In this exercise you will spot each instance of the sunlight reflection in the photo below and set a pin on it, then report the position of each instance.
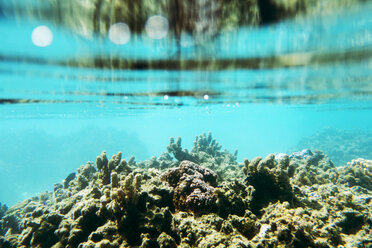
(42, 36)
(119, 33)
(157, 27)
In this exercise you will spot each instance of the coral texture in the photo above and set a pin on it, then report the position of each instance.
(340, 145)
(205, 151)
(3, 209)
(193, 187)
(295, 200)
(270, 181)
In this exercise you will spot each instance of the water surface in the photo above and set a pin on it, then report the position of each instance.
(258, 90)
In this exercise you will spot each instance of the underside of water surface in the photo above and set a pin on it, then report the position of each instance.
(285, 87)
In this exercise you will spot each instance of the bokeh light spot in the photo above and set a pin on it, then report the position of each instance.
(157, 27)
(41, 36)
(119, 33)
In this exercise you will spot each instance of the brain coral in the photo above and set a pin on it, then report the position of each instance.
(193, 187)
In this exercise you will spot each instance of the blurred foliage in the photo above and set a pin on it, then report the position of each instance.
(91, 17)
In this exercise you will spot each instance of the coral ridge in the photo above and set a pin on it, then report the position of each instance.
(199, 198)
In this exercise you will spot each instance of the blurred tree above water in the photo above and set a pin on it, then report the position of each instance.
(195, 30)
(91, 17)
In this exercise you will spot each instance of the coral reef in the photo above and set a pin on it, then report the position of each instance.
(205, 151)
(94, 211)
(270, 181)
(210, 230)
(193, 187)
(358, 172)
(364, 163)
(312, 168)
(233, 198)
(340, 145)
(3, 209)
(108, 168)
(295, 200)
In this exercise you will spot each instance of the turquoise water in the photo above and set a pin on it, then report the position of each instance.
(272, 86)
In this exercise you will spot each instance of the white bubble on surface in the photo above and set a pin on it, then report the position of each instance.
(206, 97)
(157, 27)
(119, 33)
(41, 36)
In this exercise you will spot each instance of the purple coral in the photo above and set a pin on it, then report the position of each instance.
(193, 187)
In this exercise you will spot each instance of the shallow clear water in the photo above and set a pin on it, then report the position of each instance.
(258, 90)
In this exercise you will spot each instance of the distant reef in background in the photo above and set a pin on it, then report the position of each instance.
(340, 145)
(200, 198)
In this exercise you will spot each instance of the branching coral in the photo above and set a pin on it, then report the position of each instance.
(206, 151)
(205, 143)
(3, 209)
(270, 181)
(115, 164)
(297, 200)
(178, 153)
